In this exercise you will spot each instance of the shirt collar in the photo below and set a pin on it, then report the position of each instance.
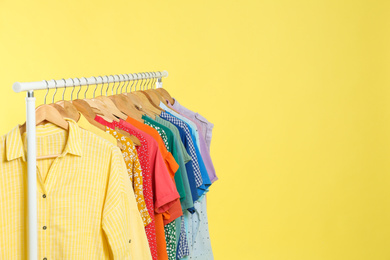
(73, 144)
(14, 144)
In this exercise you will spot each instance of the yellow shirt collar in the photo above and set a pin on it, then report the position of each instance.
(14, 144)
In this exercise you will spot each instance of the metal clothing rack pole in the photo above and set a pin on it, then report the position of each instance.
(31, 137)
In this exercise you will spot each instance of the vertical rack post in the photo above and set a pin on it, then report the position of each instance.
(32, 177)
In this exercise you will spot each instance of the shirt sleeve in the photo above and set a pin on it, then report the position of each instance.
(171, 164)
(164, 188)
(121, 220)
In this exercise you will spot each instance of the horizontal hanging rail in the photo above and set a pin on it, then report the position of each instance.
(37, 85)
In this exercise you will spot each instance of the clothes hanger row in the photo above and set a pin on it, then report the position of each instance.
(119, 105)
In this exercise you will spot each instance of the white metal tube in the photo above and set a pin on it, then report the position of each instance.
(32, 177)
(26, 86)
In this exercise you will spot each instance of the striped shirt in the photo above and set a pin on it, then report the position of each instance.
(86, 205)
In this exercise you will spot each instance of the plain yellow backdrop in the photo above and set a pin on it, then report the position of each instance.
(298, 92)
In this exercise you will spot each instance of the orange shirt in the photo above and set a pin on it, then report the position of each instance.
(172, 165)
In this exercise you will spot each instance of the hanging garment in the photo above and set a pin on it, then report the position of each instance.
(199, 246)
(82, 195)
(195, 138)
(191, 150)
(207, 127)
(134, 171)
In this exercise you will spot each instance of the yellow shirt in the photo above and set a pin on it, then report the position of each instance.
(84, 124)
(86, 205)
(135, 173)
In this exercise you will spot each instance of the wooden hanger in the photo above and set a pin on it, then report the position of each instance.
(146, 103)
(60, 109)
(153, 99)
(158, 95)
(70, 109)
(46, 113)
(166, 95)
(124, 104)
(110, 106)
(137, 102)
(96, 106)
(133, 138)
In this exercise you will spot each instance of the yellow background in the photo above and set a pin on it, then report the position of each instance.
(298, 92)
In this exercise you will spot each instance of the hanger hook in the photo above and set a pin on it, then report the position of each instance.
(146, 81)
(63, 93)
(87, 83)
(112, 89)
(151, 79)
(132, 80)
(101, 89)
(124, 82)
(128, 81)
(136, 83)
(95, 87)
(47, 86)
(79, 88)
(142, 81)
(55, 91)
(135, 80)
(71, 93)
(108, 84)
(116, 90)
(126, 77)
(154, 79)
(141, 87)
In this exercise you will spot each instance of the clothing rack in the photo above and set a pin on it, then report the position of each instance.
(29, 87)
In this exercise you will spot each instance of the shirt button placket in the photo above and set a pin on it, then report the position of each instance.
(45, 224)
